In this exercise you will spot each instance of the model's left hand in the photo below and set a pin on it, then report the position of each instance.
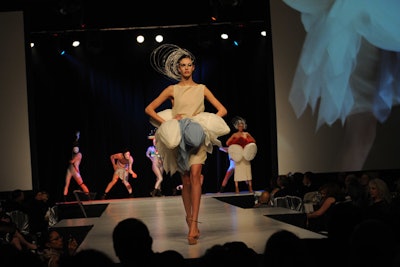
(134, 175)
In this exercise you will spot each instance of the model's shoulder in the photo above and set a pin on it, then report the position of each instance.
(205, 89)
(169, 88)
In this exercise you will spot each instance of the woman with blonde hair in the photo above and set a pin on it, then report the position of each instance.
(380, 197)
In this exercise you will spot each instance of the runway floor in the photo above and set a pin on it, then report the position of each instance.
(220, 222)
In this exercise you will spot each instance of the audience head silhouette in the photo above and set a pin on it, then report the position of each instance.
(88, 257)
(132, 241)
(232, 254)
(277, 247)
(373, 243)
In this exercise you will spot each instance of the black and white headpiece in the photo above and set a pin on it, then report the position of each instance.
(164, 59)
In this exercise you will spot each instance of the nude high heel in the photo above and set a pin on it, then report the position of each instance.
(189, 221)
(192, 240)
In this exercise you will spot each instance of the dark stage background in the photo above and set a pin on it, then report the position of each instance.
(102, 87)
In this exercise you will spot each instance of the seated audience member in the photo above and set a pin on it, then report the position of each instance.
(285, 194)
(37, 210)
(284, 187)
(283, 249)
(344, 216)
(349, 178)
(16, 201)
(86, 258)
(263, 199)
(11, 234)
(372, 244)
(230, 254)
(266, 197)
(297, 179)
(10, 256)
(395, 209)
(364, 180)
(278, 187)
(381, 199)
(355, 193)
(132, 242)
(133, 245)
(318, 220)
(308, 184)
(171, 256)
(16, 207)
(54, 248)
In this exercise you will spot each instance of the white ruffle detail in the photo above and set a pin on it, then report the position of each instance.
(168, 135)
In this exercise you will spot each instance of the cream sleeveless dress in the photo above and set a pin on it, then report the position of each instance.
(188, 102)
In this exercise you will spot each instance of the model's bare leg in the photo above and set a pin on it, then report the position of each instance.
(67, 182)
(84, 188)
(128, 187)
(237, 187)
(187, 203)
(158, 171)
(360, 127)
(250, 184)
(111, 184)
(79, 181)
(228, 175)
(194, 198)
(359, 136)
(159, 178)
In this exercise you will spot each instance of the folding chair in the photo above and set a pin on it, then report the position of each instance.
(85, 196)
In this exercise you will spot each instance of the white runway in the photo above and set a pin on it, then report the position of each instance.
(165, 218)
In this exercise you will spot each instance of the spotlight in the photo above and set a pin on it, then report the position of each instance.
(140, 39)
(75, 43)
(159, 38)
(32, 44)
(224, 36)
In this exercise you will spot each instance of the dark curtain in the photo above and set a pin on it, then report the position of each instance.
(102, 87)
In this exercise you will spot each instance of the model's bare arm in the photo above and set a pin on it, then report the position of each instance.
(221, 110)
(113, 158)
(150, 110)
(134, 175)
